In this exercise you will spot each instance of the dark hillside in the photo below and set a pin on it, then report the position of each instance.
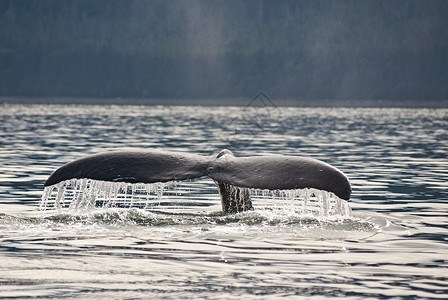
(187, 49)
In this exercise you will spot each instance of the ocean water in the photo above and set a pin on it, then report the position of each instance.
(391, 241)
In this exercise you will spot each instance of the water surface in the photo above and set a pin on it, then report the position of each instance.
(393, 245)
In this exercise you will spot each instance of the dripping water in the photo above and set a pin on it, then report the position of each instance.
(308, 201)
(87, 194)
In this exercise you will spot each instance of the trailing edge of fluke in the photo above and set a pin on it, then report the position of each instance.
(233, 175)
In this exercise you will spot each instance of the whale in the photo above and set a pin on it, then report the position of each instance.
(233, 176)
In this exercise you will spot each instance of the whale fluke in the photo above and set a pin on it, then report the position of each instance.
(133, 167)
(232, 175)
(280, 173)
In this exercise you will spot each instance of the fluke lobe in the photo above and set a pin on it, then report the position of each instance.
(232, 175)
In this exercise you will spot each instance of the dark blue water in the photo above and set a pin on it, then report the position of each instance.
(395, 244)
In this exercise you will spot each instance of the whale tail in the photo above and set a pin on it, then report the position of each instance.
(234, 199)
(232, 175)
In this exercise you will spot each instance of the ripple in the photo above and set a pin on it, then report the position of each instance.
(394, 245)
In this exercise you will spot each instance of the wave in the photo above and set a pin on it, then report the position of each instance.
(125, 217)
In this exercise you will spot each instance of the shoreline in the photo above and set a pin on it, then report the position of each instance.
(229, 102)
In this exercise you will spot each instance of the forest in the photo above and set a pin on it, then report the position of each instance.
(295, 49)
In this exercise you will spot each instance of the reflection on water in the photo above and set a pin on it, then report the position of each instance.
(394, 246)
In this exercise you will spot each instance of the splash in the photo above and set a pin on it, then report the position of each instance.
(87, 194)
(309, 202)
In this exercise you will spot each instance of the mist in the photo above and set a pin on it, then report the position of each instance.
(192, 49)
